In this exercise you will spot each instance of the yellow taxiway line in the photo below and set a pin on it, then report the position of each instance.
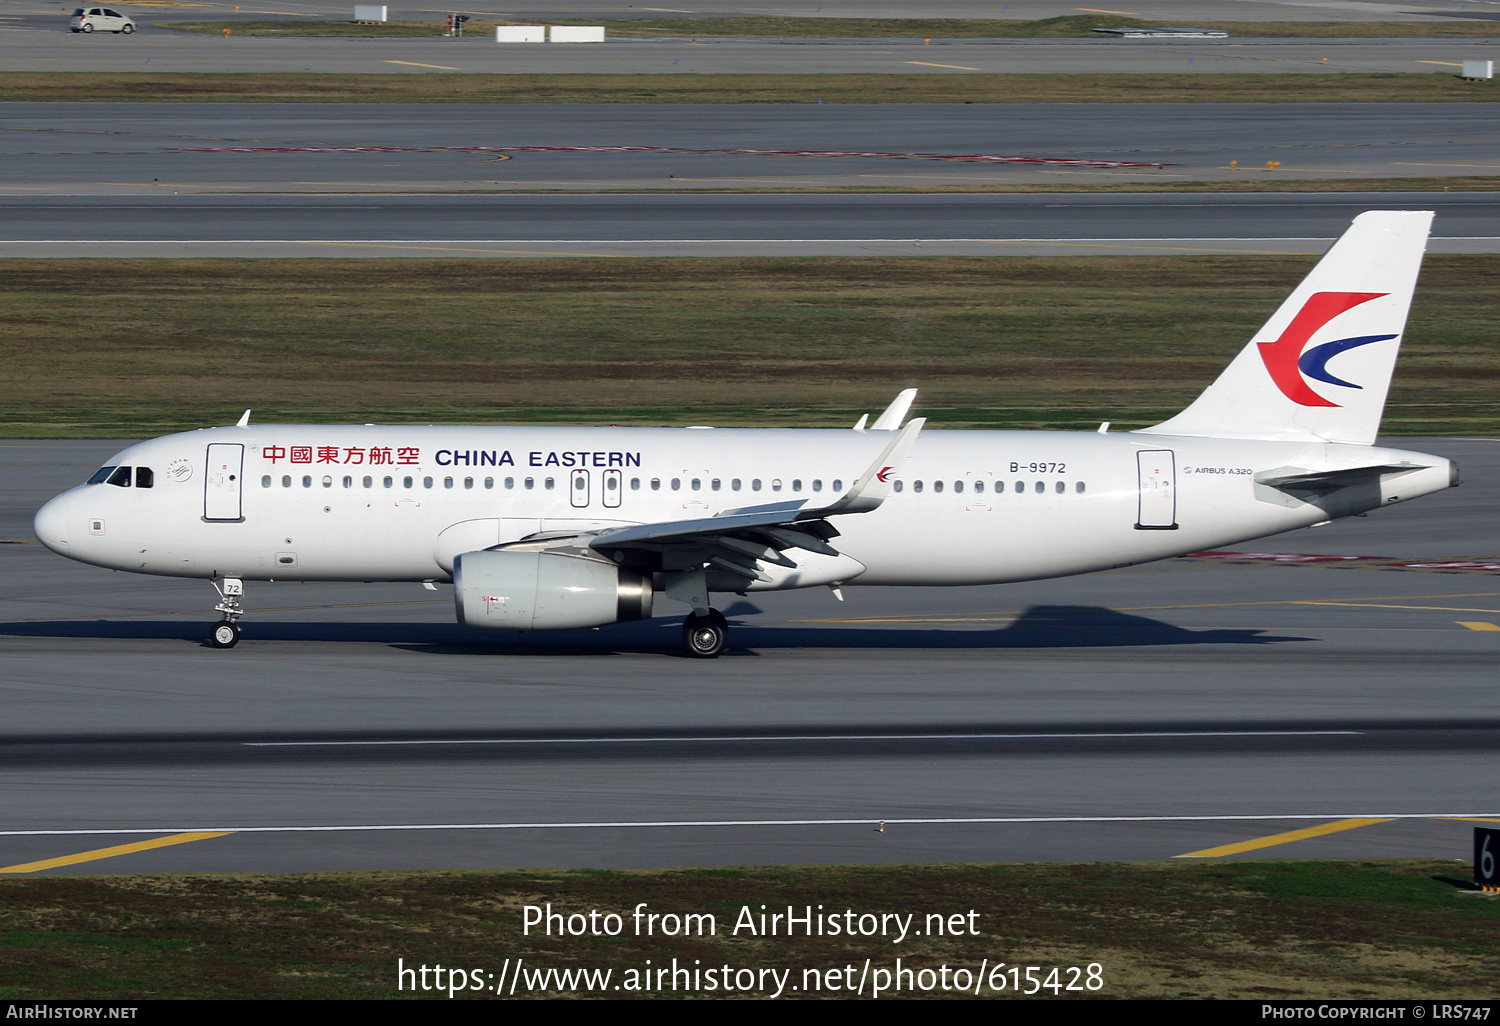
(109, 853)
(928, 64)
(1275, 839)
(414, 64)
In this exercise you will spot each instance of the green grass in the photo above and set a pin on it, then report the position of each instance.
(1068, 26)
(1243, 929)
(1056, 342)
(954, 87)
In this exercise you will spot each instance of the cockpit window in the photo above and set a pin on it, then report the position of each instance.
(143, 477)
(120, 477)
(101, 475)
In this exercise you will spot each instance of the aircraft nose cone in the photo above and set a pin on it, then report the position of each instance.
(52, 524)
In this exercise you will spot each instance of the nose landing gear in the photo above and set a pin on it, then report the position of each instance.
(226, 633)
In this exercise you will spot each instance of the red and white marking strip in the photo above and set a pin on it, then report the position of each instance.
(980, 158)
(1491, 566)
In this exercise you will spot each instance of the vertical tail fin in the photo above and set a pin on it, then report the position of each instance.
(1320, 367)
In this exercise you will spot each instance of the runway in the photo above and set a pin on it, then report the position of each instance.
(1137, 714)
(102, 151)
(57, 49)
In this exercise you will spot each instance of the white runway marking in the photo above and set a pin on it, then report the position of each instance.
(864, 821)
(806, 737)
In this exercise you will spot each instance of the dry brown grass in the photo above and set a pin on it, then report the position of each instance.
(454, 87)
(1038, 342)
(1251, 929)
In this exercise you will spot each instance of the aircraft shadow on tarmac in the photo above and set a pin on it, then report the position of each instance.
(1038, 627)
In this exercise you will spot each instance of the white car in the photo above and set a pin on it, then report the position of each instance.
(101, 19)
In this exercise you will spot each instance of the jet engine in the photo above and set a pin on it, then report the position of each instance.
(545, 591)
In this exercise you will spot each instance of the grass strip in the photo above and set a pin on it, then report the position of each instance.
(1068, 26)
(1244, 929)
(1268, 183)
(453, 87)
(150, 346)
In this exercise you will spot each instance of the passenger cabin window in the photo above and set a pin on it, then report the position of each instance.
(265, 482)
(979, 486)
(937, 486)
(896, 485)
(143, 477)
(120, 478)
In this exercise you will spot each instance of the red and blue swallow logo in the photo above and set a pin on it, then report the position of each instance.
(1290, 367)
(881, 477)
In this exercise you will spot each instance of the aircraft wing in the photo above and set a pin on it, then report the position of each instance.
(738, 540)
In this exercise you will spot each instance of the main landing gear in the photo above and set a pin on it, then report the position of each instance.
(706, 636)
(226, 633)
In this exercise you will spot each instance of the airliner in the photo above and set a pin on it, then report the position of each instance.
(564, 528)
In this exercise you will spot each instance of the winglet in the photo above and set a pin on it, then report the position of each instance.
(874, 484)
(864, 418)
(891, 419)
(244, 420)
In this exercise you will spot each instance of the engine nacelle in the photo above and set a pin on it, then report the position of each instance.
(545, 591)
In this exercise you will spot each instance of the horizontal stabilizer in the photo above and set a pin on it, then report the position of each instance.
(1294, 479)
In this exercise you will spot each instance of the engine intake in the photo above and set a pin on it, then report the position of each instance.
(545, 591)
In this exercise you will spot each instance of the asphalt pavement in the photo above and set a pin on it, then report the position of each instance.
(1136, 714)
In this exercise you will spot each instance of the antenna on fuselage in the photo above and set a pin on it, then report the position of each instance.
(244, 420)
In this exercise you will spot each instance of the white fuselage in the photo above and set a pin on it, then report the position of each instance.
(381, 503)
